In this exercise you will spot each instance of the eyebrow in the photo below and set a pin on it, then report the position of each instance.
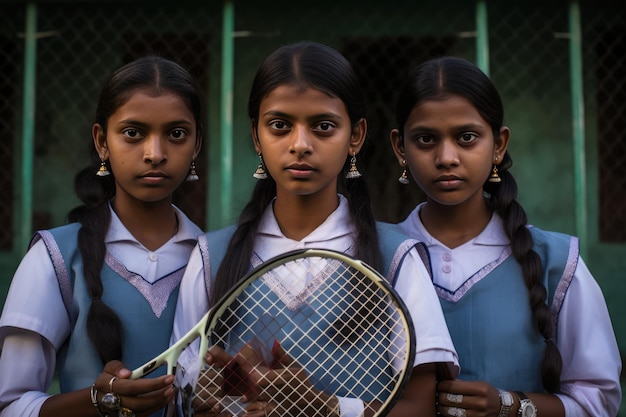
(142, 124)
(318, 116)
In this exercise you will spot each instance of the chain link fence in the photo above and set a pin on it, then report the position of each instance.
(80, 42)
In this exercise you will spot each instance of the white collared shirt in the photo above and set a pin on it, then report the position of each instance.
(335, 233)
(585, 337)
(34, 323)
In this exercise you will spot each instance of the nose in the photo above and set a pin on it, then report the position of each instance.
(154, 151)
(300, 143)
(447, 154)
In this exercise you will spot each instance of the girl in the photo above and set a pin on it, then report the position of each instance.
(102, 289)
(308, 124)
(525, 314)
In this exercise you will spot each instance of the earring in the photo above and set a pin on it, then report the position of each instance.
(403, 178)
(260, 173)
(193, 175)
(494, 177)
(353, 172)
(103, 171)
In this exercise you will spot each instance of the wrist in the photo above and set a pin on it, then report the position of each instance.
(526, 406)
(332, 407)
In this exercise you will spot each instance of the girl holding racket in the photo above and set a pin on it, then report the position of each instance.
(529, 321)
(308, 124)
(98, 295)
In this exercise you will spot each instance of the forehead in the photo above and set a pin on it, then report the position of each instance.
(446, 109)
(295, 100)
(143, 103)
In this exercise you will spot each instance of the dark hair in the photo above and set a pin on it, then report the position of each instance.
(439, 78)
(158, 75)
(303, 64)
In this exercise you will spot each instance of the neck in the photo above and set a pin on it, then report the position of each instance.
(455, 225)
(151, 224)
(298, 216)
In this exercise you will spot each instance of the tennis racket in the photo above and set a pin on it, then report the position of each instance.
(311, 312)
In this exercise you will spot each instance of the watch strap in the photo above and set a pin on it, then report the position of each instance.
(506, 402)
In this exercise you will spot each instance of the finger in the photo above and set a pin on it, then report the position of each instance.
(280, 356)
(135, 387)
(116, 368)
(217, 356)
(250, 355)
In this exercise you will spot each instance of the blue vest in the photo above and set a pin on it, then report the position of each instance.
(146, 332)
(394, 247)
(491, 323)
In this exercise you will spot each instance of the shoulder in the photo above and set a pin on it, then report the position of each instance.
(62, 238)
(395, 245)
(546, 241)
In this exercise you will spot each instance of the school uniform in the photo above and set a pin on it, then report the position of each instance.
(42, 327)
(485, 301)
(404, 266)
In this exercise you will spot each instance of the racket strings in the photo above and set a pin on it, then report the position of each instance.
(335, 332)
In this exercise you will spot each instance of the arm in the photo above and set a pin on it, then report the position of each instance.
(591, 361)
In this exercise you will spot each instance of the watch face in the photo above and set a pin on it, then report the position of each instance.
(528, 409)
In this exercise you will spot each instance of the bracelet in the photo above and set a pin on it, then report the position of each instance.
(94, 400)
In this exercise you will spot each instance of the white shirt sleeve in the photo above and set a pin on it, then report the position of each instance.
(591, 359)
(30, 360)
(33, 325)
(192, 305)
(433, 341)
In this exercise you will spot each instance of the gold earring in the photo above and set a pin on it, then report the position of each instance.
(103, 171)
(494, 177)
(260, 173)
(193, 175)
(353, 172)
(403, 178)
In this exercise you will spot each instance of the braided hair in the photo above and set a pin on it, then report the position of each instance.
(445, 76)
(159, 75)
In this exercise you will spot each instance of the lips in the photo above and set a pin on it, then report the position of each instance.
(154, 177)
(300, 170)
(448, 182)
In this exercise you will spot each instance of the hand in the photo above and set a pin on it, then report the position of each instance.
(476, 398)
(141, 396)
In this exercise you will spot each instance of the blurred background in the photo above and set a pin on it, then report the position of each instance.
(560, 67)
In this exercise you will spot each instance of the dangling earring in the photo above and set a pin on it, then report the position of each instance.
(403, 178)
(103, 171)
(260, 173)
(193, 175)
(494, 177)
(353, 172)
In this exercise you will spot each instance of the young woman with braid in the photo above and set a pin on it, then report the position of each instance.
(526, 316)
(96, 297)
(308, 122)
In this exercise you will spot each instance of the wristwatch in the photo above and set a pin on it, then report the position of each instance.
(506, 402)
(527, 408)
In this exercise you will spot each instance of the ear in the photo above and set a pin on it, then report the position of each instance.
(255, 137)
(357, 139)
(501, 143)
(100, 141)
(196, 151)
(397, 143)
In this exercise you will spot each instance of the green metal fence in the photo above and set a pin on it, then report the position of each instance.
(560, 67)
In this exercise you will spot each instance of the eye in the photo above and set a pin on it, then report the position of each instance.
(324, 127)
(178, 134)
(278, 125)
(425, 139)
(467, 138)
(131, 133)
